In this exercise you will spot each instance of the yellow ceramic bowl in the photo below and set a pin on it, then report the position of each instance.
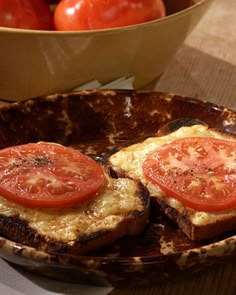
(34, 63)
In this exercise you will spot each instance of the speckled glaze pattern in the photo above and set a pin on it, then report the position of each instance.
(95, 122)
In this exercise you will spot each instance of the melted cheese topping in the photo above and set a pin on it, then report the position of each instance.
(103, 212)
(129, 161)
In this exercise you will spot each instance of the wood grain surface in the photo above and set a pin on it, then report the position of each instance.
(220, 281)
(204, 67)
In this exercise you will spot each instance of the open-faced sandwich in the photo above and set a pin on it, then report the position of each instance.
(57, 199)
(189, 170)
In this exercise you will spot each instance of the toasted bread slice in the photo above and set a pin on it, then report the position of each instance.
(120, 208)
(196, 225)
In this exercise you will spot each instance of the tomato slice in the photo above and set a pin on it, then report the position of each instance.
(48, 175)
(199, 172)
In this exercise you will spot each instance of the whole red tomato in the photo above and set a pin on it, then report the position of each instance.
(26, 14)
(71, 15)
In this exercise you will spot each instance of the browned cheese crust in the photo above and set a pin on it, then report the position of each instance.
(196, 225)
(92, 224)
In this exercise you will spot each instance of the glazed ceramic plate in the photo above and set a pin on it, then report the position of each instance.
(94, 122)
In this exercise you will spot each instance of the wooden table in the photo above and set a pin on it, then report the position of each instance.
(205, 67)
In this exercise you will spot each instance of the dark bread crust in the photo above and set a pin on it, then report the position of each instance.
(184, 216)
(178, 123)
(194, 232)
(185, 122)
(133, 222)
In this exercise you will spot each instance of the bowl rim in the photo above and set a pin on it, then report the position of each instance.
(104, 31)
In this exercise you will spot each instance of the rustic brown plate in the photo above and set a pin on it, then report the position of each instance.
(95, 122)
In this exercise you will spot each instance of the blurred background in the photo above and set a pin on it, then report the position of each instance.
(205, 66)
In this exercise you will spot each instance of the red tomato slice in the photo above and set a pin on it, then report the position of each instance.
(73, 15)
(48, 175)
(199, 172)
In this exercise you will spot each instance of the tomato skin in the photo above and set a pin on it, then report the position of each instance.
(52, 1)
(69, 15)
(48, 175)
(199, 172)
(26, 14)
(73, 15)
